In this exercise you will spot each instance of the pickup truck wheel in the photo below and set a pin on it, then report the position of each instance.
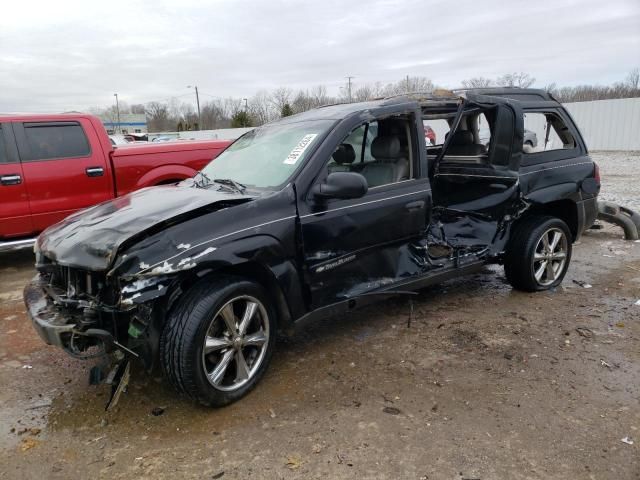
(538, 255)
(218, 340)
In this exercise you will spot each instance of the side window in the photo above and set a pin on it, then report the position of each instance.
(435, 131)
(381, 151)
(355, 139)
(56, 140)
(3, 150)
(484, 130)
(348, 152)
(544, 132)
(372, 133)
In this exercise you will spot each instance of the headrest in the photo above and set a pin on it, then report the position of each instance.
(344, 154)
(385, 147)
(462, 137)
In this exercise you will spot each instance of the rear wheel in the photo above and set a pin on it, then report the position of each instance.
(538, 254)
(218, 341)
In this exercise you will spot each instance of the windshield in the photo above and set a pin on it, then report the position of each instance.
(267, 156)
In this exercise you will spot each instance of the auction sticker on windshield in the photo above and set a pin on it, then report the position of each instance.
(299, 149)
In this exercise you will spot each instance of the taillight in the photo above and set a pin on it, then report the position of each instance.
(596, 172)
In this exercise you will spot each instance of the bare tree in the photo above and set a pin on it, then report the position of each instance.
(477, 82)
(261, 108)
(301, 102)
(319, 95)
(633, 79)
(417, 84)
(138, 108)
(280, 97)
(231, 106)
(212, 114)
(265, 106)
(516, 79)
(157, 117)
(363, 93)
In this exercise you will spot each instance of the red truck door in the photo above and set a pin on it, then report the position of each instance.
(65, 168)
(15, 216)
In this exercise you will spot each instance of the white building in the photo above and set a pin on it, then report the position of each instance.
(129, 123)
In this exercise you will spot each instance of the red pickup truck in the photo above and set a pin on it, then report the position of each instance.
(53, 165)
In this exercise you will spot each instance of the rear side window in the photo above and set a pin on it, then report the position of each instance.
(56, 140)
(544, 132)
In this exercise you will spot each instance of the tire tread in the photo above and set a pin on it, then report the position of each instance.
(177, 362)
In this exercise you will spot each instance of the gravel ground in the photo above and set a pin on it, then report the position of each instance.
(479, 382)
(620, 172)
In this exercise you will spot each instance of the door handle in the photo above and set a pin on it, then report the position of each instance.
(11, 179)
(414, 205)
(94, 171)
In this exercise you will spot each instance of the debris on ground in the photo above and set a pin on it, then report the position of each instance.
(218, 475)
(391, 410)
(582, 284)
(605, 364)
(272, 414)
(627, 440)
(585, 332)
(637, 303)
(294, 462)
(157, 411)
(623, 217)
(28, 444)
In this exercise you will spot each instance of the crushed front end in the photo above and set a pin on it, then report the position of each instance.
(88, 314)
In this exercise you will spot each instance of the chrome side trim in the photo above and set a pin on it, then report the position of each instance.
(479, 176)
(16, 244)
(553, 168)
(363, 203)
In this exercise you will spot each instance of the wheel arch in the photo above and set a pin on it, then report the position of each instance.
(566, 210)
(259, 258)
(164, 174)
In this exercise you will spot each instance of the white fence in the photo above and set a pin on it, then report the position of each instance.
(219, 134)
(608, 124)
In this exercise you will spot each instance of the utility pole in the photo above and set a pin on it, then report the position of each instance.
(349, 87)
(408, 84)
(198, 105)
(118, 112)
(246, 105)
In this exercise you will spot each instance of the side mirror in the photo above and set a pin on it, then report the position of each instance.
(342, 185)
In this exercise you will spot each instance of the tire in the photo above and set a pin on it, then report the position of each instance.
(218, 377)
(526, 253)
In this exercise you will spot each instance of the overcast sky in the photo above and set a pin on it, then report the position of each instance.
(63, 55)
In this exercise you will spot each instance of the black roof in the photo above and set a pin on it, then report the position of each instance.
(515, 93)
(342, 110)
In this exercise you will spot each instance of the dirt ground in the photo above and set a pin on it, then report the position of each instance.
(473, 380)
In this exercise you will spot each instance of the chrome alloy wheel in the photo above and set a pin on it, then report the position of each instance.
(235, 343)
(550, 256)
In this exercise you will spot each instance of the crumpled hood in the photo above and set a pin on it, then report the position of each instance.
(91, 238)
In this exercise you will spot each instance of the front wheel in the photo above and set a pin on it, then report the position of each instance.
(538, 254)
(218, 340)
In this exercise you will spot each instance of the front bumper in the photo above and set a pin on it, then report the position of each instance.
(53, 326)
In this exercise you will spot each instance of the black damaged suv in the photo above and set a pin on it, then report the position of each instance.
(309, 216)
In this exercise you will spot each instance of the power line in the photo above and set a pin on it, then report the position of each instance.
(349, 86)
